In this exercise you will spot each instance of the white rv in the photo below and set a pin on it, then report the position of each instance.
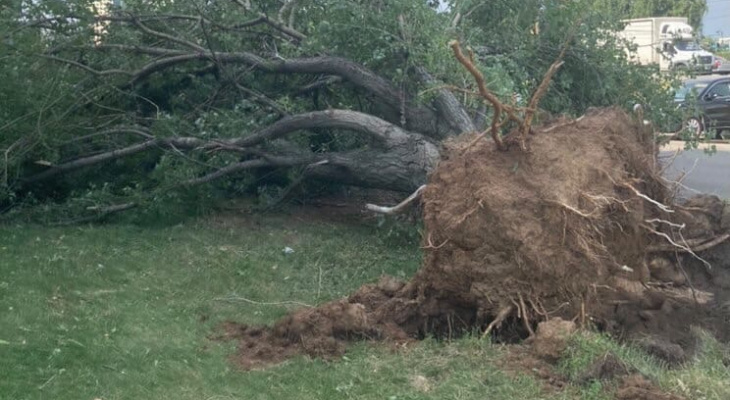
(667, 41)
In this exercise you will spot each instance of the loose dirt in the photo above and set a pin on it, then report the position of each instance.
(573, 228)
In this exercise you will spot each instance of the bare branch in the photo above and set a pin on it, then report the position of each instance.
(262, 99)
(137, 22)
(87, 68)
(288, 7)
(279, 26)
(245, 165)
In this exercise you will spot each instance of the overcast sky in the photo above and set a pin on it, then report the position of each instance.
(717, 18)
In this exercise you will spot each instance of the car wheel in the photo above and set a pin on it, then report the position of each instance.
(694, 127)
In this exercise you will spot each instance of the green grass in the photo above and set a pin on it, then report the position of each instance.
(706, 377)
(124, 312)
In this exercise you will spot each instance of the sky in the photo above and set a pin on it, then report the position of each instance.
(717, 18)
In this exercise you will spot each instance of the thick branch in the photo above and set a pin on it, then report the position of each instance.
(88, 161)
(180, 143)
(447, 105)
(418, 119)
(245, 165)
(382, 131)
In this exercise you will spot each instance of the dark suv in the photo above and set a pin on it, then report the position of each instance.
(709, 97)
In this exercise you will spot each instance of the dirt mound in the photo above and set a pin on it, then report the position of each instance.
(540, 230)
(579, 227)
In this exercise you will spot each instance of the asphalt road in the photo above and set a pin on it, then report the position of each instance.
(705, 173)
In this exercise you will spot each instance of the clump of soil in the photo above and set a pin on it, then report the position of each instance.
(572, 228)
(637, 387)
(606, 368)
(552, 337)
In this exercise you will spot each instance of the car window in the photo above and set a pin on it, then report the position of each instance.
(687, 46)
(721, 89)
(692, 89)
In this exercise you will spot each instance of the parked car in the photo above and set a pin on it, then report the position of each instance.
(721, 66)
(708, 102)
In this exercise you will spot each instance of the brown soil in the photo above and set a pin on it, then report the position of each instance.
(513, 238)
(606, 368)
(520, 359)
(551, 338)
(636, 387)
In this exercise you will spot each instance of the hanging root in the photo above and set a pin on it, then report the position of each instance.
(525, 316)
(501, 316)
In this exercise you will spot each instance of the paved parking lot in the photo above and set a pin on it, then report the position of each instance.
(706, 173)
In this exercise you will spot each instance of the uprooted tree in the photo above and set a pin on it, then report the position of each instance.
(570, 219)
(523, 221)
(110, 108)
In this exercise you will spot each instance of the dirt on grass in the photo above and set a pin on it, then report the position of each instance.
(580, 227)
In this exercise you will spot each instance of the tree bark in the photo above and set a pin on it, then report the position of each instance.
(396, 159)
(404, 167)
(448, 105)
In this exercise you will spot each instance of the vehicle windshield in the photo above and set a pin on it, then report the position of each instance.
(687, 46)
(693, 88)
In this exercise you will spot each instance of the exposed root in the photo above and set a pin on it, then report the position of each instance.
(563, 125)
(400, 206)
(649, 199)
(525, 316)
(497, 105)
(501, 316)
(683, 247)
(574, 210)
(696, 245)
(430, 246)
(603, 201)
(236, 299)
(712, 243)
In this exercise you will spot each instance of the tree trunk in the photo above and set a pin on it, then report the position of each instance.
(403, 167)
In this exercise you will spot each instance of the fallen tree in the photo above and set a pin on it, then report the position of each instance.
(169, 98)
(568, 220)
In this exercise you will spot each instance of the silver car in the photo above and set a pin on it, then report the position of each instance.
(721, 66)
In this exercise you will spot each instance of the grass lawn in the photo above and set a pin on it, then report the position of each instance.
(124, 312)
